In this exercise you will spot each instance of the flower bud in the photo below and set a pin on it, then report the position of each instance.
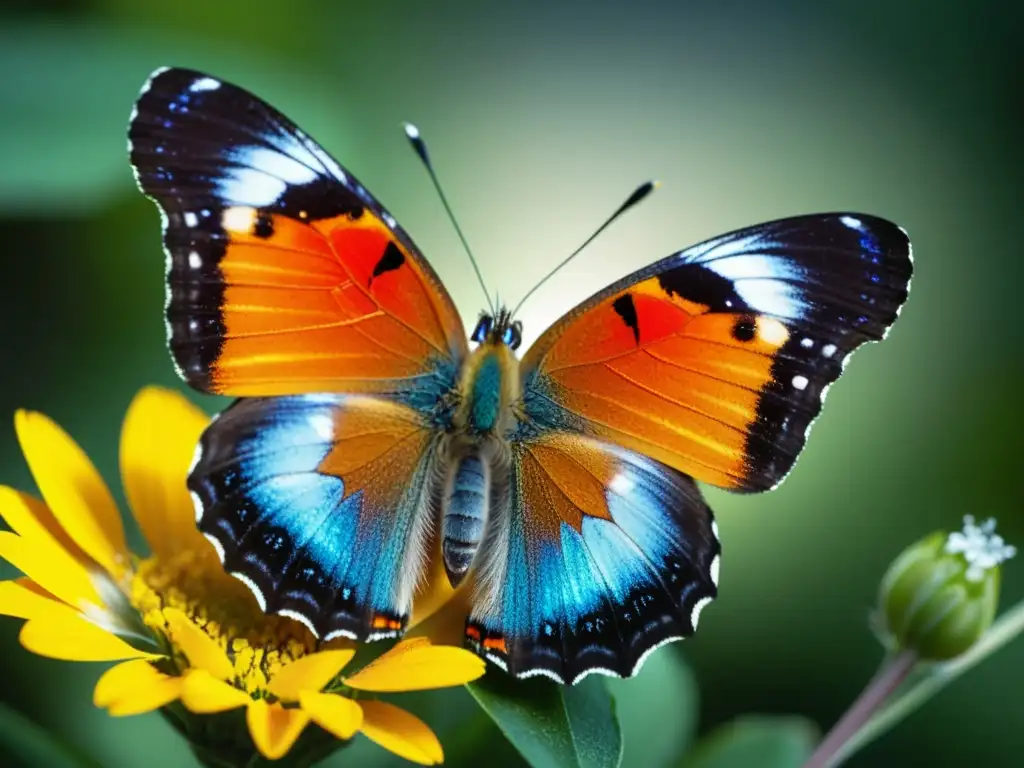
(940, 595)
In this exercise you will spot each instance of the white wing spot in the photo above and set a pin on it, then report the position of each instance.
(771, 331)
(256, 591)
(190, 219)
(806, 343)
(800, 382)
(216, 546)
(195, 261)
(323, 426)
(340, 633)
(238, 219)
(204, 84)
(828, 350)
(197, 505)
(851, 222)
(596, 671)
(497, 660)
(541, 673)
(700, 606)
(263, 177)
(299, 618)
(715, 565)
(621, 484)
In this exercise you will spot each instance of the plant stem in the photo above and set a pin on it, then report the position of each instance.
(1007, 627)
(871, 698)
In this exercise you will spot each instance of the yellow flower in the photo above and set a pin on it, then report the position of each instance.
(182, 628)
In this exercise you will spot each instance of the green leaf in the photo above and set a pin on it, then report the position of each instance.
(23, 744)
(553, 726)
(666, 685)
(767, 742)
(63, 135)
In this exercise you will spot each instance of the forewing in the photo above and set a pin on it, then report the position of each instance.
(599, 556)
(284, 274)
(715, 360)
(320, 504)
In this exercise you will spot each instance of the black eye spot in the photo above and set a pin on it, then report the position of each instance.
(390, 260)
(263, 226)
(745, 328)
(625, 307)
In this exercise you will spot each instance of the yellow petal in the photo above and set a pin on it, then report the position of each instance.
(308, 673)
(125, 678)
(414, 665)
(29, 518)
(435, 592)
(135, 687)
(158, 439)
(332, 712)
(401, 732)
(273, 728)
(203, 694)
(31, 586)
(21, 600)
(59, 631)
(199, 647)
(73, 638)
(447, 624)
(73, 490)
(157, 695)
(51, 568)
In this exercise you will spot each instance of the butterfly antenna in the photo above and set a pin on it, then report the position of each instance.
(413, 134)
(638, 194)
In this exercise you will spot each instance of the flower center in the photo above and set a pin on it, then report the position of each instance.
(257, 644)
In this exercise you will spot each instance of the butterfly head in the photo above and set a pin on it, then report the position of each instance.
(498, 329)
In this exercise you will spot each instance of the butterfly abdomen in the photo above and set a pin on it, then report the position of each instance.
(465, 514)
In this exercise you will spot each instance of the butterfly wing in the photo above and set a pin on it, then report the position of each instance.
(284, 274)
(320, 504)
(602, 555)
(715, 360)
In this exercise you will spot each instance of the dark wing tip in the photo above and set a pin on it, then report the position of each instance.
(860, 280)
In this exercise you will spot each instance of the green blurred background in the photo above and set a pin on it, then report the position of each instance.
(541, 117)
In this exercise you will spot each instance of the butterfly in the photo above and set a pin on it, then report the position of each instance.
(372, 435)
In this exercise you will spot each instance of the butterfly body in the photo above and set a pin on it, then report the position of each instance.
(489, 389)
(374, 437)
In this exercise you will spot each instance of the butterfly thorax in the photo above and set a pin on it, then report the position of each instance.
(489, 383)
(488, 387)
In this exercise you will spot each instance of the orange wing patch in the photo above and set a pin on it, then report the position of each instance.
(335, 304)
(377, 440)
(715, 360)
(572, 480)
(389, 271)
(661, 375)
